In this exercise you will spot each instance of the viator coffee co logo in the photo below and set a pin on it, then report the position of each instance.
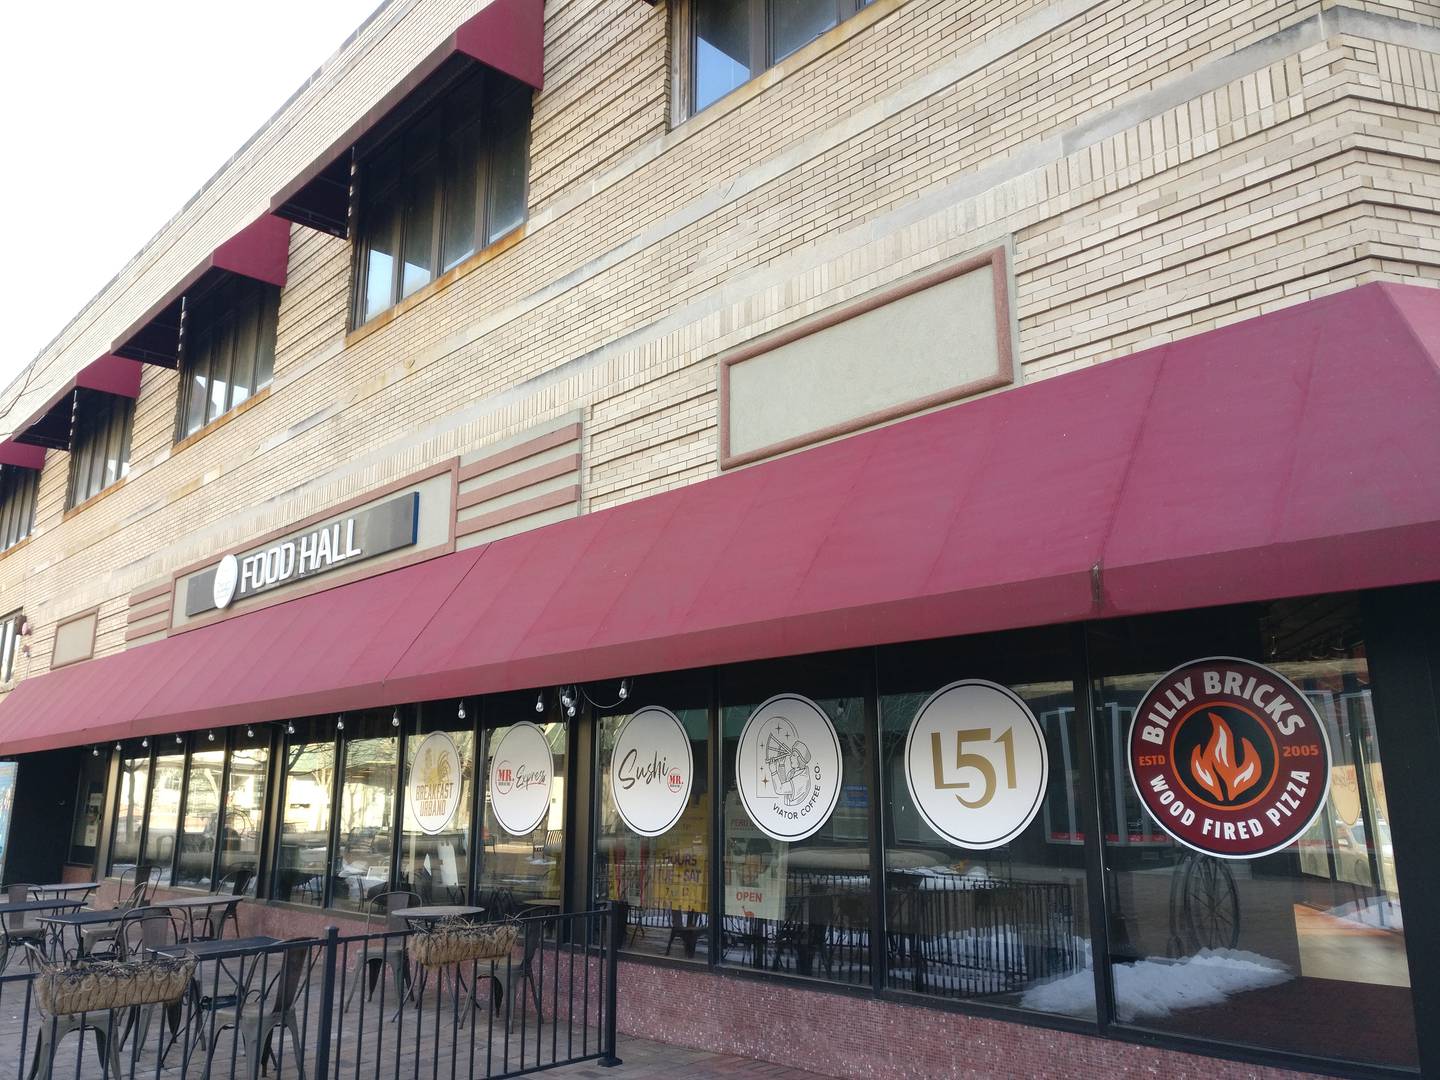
(787, 767)
(1229, 757)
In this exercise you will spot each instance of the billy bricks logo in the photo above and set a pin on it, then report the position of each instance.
(1229, 757)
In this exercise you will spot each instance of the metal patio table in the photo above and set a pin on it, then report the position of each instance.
(189, 905)
(251, 949)
(64, 890)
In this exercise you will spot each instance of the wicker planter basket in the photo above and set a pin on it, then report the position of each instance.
(96, 987)
(443, 944)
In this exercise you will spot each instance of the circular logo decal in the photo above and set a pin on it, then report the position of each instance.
(651, 770)
(787, 767)
(434, 789)
(227, 576)
(1229, 757)
(520, 773)
(975, 764)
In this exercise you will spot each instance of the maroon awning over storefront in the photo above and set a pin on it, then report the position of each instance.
(1292, 454)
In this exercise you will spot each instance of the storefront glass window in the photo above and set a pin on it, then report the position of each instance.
(985, 885)
(129, 813)
(1301, 945)
(164, 820)
(241, 831)
(653, 831)
(522, 861)
(202, 818)
(801, 906)
(439, 792)
(365, 832)
(89, 809)
(302, 858)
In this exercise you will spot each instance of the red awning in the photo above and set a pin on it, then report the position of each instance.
(261, 251)
(50, 425)
(506, 35)
(1292, 454)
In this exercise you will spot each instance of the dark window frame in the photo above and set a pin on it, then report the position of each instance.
(385, 202)
(214, 329)
(102, 429)
(763, 52)
(18, 490)
(11, 631)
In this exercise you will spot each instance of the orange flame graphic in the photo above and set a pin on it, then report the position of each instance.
(1217, 769)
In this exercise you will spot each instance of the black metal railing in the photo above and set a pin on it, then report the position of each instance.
(352, 1007)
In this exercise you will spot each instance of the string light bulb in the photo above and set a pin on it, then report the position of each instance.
(395, 717)
(460, 712)
(566, 699)
(145, 742)
(289, 727)
(540, 701)
(249, 732)
(210, 736)
(117, 747)
(180, 739)
(95, 751)
(340, 722)
(624, 689)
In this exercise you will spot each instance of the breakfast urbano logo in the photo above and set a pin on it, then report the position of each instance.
(650, 771)
(434, 793)
(787, 767)
(1229, 757)
(520, 779)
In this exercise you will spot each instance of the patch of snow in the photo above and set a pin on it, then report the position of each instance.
(1155, 987)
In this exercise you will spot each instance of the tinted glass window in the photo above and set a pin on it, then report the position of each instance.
(439, 791)
(227, 350)
(1300, 948)
(129, 813)
(164, 819)
(302, 858)
(100, 444)
(984, 858)
(365, 830)
(523, 832)
(802, 906)
(201, 820)
(241, 829)
(449, 182)
(17, 503)
(663, 876)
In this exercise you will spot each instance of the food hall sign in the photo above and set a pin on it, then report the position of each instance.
(1229, 757)
(387, 526)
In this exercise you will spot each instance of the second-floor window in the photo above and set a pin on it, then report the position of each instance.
(449, 182)
(735, 40)
(100, 443)
(10, 627)
(17, 503)
(227, 350)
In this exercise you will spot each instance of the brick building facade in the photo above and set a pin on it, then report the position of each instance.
(1049, 186)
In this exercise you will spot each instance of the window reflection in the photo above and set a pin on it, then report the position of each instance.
(301, 861)
(1302, 949)
(129, 813)
(664, 879)
(364, 836)
(164, 818)
(517, 868)
(1009, 923)
(201, 821)
(242, 827)
(804, 907)
(435, 858)
(722, 49)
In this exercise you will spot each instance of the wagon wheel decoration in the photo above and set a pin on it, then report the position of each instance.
(1209, 902)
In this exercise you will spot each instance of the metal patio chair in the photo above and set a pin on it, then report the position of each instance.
(380, 916)
(259, 1012)
(53, 1029)
(20, 929)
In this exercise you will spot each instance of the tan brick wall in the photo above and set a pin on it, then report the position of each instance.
(1153, 168)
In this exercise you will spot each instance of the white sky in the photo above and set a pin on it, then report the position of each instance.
(114, 115)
